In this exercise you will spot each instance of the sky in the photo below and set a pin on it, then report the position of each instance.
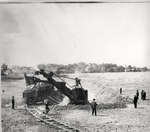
(32, 34)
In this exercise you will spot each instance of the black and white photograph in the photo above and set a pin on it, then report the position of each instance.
(75, 65)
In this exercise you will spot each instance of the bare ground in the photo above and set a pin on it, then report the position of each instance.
(109, 120)
(20, 120)
(112, 120)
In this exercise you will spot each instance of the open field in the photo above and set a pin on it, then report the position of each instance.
(104, 87)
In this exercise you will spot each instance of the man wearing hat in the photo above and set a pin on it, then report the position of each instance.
(93, 106)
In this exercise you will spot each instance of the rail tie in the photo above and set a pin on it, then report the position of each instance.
(50, 121)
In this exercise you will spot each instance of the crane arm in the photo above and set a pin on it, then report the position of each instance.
(59, 85)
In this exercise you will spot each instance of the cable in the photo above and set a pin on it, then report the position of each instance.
(100, 91)
(63, 80)
(64, 77)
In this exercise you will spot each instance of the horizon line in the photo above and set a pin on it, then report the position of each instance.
(73, 2)
(124, 65)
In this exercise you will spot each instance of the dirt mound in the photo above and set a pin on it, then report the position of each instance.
(107, 95)
(119, 104)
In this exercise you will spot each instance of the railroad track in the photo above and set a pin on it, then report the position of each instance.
(60, 126)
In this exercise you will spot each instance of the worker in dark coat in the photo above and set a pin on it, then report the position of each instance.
(120, 90)
(13, 102)
(78, 82)
(137, 94)
(142, 93)
(93, 106)
(46, 106)
(135, 100)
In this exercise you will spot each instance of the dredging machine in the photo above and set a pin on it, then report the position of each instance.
(54, 91)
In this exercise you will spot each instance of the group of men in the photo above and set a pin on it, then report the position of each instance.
(135, 100)
(136, 97)
(93, 104)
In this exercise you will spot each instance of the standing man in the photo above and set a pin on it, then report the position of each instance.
(120, 90)
(13, 102)
(93, 106)
(46, 106)
(135, 101)
(142, 95)
(137, 94)
(78, 82)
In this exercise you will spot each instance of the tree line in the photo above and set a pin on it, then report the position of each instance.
(90, 68)
(76, 67)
